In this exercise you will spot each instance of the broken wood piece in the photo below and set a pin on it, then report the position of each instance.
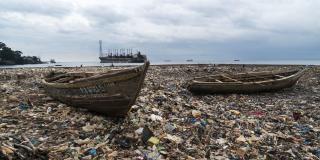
(23, 146)
(29, 142)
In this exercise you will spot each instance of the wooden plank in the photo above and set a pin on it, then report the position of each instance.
(255, 77)
(50, 79)
(63, 80)
(279, 76)
(224, 76)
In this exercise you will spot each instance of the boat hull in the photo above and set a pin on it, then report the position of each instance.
(111, 95)
(201, 87)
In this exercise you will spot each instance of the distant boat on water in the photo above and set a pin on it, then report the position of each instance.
(121, 56)
(52, 61)
(189, 60)
(236, 60)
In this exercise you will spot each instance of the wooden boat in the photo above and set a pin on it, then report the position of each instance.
(245, 82)
(111, 93)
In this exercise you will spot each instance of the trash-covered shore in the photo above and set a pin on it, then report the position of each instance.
(166, 122)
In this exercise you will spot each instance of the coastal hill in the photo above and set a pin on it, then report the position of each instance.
(12, 57)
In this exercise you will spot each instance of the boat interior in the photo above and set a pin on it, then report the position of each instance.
(245, 77)
(71, 77)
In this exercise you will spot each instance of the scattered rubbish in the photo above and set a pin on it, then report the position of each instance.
(81, 142)
(241, 139)
(12, 98)
(152, 155)
(93, 152)
(196, 113)
(88, 127)
(146, 134)
(296, 115)
(174, 138)
(234, 112)
(221, 141)
(166, 122)
(24, 106)
(124, 142)
(169, 127)
(257, 113)
(113, 154)
(154, 117)
(316, 152)
(153, 140)
(49, 110)
(303, 129)
(139, 131)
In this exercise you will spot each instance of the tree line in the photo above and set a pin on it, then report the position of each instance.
(12, 57)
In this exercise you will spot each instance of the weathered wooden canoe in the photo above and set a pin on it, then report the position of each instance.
(245, 82)
(111, 93)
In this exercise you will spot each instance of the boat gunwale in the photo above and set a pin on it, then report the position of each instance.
(121, 75)
(297, 74)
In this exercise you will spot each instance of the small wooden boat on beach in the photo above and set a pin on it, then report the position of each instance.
(111, 93)
(251, 82)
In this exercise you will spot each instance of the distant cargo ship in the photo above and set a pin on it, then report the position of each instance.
(121, 56)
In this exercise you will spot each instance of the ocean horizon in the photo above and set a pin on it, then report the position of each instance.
(168, 62)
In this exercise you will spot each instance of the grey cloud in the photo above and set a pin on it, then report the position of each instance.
(210, 29)
(49, 8)
(104, 15)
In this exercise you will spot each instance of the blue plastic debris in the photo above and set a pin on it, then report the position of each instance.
(203, 122)
(34, 141)
(317, 152)
(307, 141)
(192, 120)
(93, 152)
(23, 106)
(304, 129)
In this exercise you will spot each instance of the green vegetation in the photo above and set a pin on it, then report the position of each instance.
(11, 57)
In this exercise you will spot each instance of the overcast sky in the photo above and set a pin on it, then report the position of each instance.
(69, 30)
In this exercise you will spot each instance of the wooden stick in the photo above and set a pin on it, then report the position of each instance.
(30, 143)
(23, 146)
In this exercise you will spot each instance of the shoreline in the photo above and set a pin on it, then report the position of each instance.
(172, 65)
